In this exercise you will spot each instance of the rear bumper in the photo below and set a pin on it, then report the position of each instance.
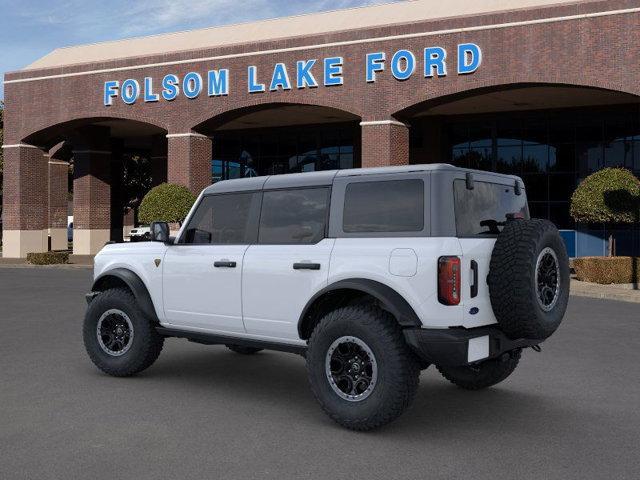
(459, 346)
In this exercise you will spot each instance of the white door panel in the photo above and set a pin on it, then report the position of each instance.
(199, 294)
(274, 293)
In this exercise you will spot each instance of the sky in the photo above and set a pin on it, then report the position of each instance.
(29, 29)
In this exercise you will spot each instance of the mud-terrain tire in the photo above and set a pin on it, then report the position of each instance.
(131, 354)
(341, 340)
(529, 279)
(482, 375)
(241, 349)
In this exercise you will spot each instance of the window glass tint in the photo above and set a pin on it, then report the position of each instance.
(294, 216)
(224, 219)
(391, 206)
(483, 210)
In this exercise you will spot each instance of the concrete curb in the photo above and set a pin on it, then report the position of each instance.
(622, 293)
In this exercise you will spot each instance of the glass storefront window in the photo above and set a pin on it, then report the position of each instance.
(551, 150)
(254, 152)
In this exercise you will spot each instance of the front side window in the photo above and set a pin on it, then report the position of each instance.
(224, 219)
(384, 206)
(296, 216)
(483, 210)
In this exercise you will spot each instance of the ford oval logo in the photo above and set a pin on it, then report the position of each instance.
(474, 310)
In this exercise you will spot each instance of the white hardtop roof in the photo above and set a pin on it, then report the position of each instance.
(286, 27)
(323, 178)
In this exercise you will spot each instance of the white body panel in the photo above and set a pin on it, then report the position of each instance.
(273, 293)
(263, 297)
(372, 259)
(478, 249)
(140, 259)
(199, 295)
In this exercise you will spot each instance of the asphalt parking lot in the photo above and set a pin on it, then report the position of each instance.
(205, 412)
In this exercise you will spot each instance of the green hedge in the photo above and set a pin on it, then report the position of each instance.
(48, 258)
(611, 195)
(167, 203)
(607, 270)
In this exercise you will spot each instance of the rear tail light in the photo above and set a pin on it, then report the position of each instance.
(449, 280)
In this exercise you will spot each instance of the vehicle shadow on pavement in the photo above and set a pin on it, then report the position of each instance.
(441, 408)
(280, 381)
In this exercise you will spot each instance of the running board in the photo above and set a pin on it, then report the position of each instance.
(216, 339)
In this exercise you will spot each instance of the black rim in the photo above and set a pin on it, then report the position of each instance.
(115, 332)
(351, 368)
(547, 279)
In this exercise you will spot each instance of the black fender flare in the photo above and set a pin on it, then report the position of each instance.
(389, 299)
(135, 284)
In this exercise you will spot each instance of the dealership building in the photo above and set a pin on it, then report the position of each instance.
(544, 89)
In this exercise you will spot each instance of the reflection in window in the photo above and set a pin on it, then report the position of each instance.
(285, 150)
(551, 150)
(386, 206)
(296, 216)
(223, 219)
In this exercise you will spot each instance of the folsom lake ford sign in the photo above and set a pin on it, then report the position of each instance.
(310, 73)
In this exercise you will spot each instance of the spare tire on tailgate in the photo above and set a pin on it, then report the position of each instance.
(529, 279)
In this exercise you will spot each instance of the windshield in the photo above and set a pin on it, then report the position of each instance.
(483, 211)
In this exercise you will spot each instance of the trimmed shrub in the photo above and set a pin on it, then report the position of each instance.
(166, 203)
(48, 258)
(606, 270)
(611, 195)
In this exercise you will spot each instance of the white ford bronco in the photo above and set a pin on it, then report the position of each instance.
(370, 274)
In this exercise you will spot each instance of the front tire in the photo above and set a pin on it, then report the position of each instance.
(120, 340)
(482, 375)
(360, 369)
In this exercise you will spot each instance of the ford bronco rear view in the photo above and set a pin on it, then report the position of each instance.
(370, 274)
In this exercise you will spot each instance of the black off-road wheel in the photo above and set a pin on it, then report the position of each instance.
(360, 369)
(529, 279)
(243, 350)
(484, 374)
(118, 337)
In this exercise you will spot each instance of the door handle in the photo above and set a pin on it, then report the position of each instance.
(474, 271)
(306, 266)
(224, 264)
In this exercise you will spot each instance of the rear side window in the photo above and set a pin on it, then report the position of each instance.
(224, 219)
(483, 211)
(385, 206)
(297, 216)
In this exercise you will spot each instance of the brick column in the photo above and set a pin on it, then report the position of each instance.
(158, 160)
(384, 143)
(58, 191)
(25, 211)
(189, 160)
(91, 200)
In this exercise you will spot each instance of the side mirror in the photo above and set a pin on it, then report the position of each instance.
(159, 232)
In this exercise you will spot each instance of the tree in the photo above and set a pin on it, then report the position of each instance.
(136, 181)
(166, 202)
(611, 195)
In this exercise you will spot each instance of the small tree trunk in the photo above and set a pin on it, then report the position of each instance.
(612, 247)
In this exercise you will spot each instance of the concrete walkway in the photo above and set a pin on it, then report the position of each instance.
(622, 292)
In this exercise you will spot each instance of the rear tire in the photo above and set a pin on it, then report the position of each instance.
(386, 378)
(120, 340)
(243, 350)
(482, 375)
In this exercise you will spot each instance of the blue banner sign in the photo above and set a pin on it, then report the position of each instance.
(309, 73)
